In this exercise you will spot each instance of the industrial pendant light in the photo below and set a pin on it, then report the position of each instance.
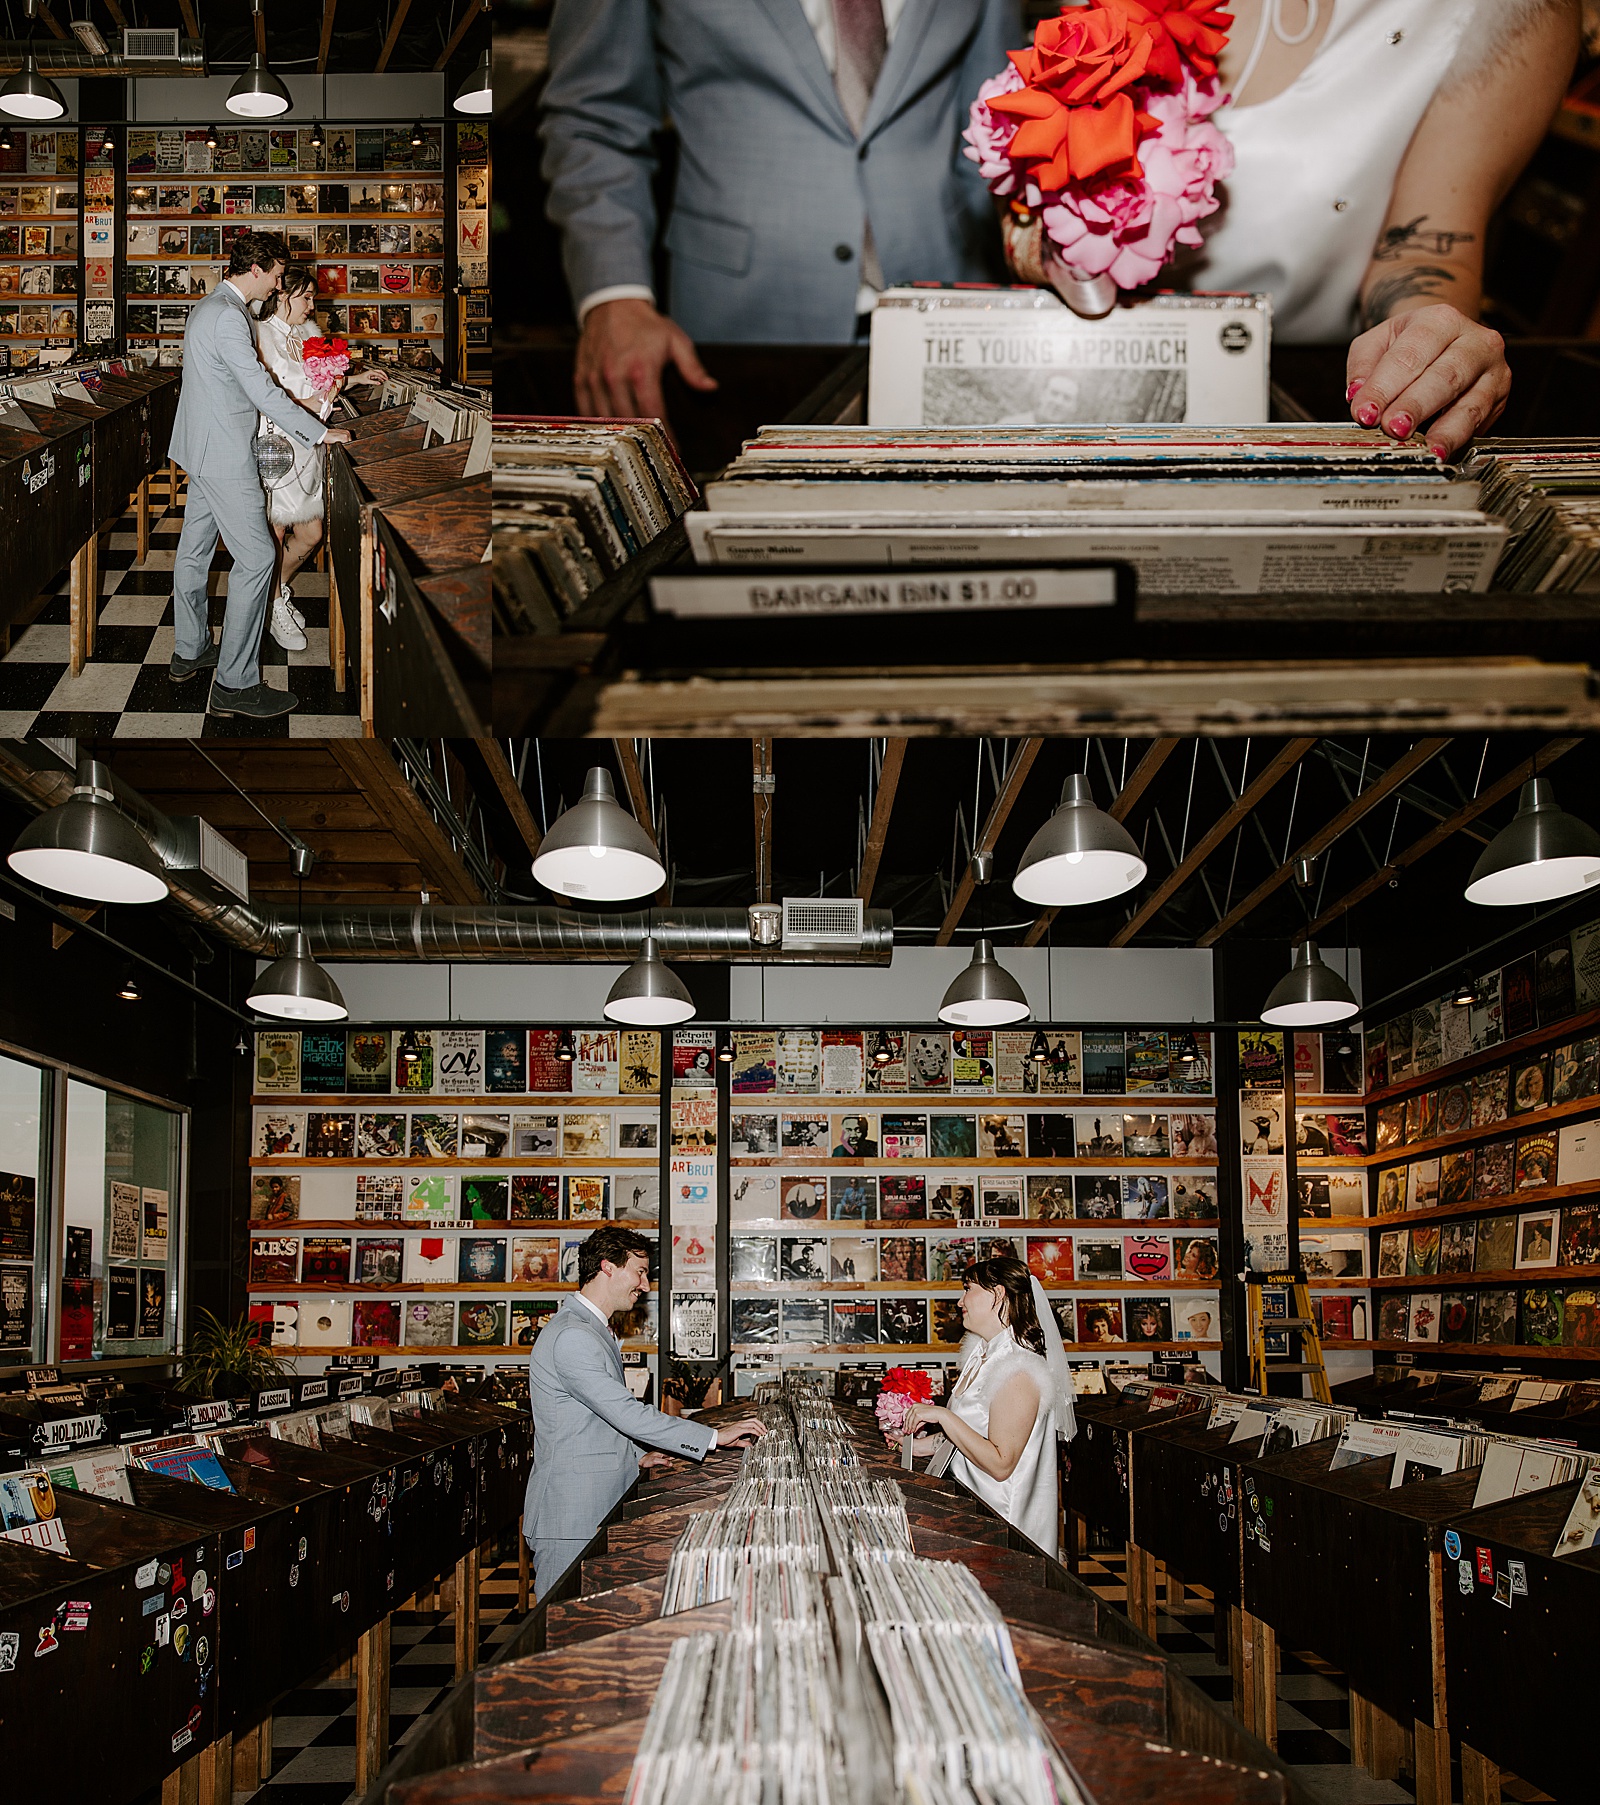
(28, 94)
(1543, 853)
(648, 995)
(985, 995)
(258, 94)
(87, 847)
(1080, 855)
(597, 851)
(476, 93)
(295, 988)
(1310, 994)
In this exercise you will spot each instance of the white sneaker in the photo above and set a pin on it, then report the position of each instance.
(286, 596)
(283, 628)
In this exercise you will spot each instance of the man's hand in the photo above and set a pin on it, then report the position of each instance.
(1430, 369)
(336, 435)
(654, 1458)
(736, 1434)
(624, 348)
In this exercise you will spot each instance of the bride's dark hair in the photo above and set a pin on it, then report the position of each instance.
(295, 278)
(1012, 1278)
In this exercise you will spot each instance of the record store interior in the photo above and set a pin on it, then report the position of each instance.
(801, 1002)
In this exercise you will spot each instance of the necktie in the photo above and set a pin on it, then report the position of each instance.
(862, 41)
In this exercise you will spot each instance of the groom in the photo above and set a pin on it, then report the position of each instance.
(585, 1420)
(224, 389)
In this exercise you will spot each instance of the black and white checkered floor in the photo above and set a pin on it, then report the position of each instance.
(1313, 1698)
(314, 1728)
(123, 692)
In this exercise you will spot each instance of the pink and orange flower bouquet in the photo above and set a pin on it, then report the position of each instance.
(1098, 137)
(325, 360)
(903, 1386)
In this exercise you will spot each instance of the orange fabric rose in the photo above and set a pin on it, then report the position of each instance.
(1183, 31)
(1075, 117)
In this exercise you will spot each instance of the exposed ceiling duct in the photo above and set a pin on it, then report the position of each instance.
(504, 932)
(69, 58)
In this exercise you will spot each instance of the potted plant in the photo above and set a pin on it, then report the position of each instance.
(227, 1359)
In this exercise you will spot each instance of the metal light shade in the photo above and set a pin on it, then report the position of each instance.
(258, 94)
(597, 851)
(1543, 853)
(1310, 994)
(1080, 855)
(476, 93)
(648, 995)
(296, 989)
(87, 847)
(30, 95)
(985, 995)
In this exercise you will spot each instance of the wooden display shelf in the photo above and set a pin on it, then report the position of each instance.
(1339, 1284)
(1504, 1275)
(1315, 1225)
(389, 1104)
(801, 1165)
(998, 1224)
(893, 1287)
(1485, 1206)
(1142, 1103)
(1498, 1350)
(1503, 1054)
(1507, 1127)
(412, 1351)
(1330, 1105)
(376, 1292)
(303, 1162)
(187, 258)
(306, 1225)
(941, 1347)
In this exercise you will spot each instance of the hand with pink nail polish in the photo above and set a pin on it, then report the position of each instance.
(1429, 369)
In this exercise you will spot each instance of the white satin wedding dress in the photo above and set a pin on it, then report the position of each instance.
(1030, 1498)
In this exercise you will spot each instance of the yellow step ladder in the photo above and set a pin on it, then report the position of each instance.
(1297, 1319)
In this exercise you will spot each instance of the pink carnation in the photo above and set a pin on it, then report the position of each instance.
(891, 1409)
(1129, 230)
(989, 136)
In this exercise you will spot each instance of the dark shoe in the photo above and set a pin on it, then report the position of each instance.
(258, 702)
(180, 670)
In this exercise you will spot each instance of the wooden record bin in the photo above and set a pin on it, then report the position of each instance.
(385, 470)
(113, 1652)
(1186, 1491)
(561, 1718)
(1517, 1623)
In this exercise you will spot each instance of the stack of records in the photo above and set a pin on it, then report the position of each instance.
(574, 501)
(1420, 1453)
(1513, 1466)
(449, 414)
(1283, 1423)
(1547, 493)
(821, 514)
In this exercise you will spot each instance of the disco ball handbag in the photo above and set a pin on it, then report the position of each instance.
(274, 454)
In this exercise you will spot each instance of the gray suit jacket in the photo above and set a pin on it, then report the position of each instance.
(773, 187)
(224, 390)
(586, 1424)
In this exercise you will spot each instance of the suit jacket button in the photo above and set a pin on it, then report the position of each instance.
(843, 252)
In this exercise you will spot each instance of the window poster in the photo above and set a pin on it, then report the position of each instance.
(16, 1216)
(154, 1239)
(122, 1238)
(16, 1307)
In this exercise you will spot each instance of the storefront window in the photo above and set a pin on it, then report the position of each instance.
(121, 1244)
(24, 1114)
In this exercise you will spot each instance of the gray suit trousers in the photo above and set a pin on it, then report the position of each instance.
(237, 509)
(551, 1558)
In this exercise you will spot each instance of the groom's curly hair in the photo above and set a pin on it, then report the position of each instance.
(256, 250)
(612, 1243)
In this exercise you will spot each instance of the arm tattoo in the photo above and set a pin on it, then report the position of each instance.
(1410, 239)
(1386, 293)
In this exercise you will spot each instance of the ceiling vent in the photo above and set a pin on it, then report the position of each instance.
(150, 46)
(223, 862)
(818, 923)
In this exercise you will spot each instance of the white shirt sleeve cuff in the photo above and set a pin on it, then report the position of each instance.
(713, 1440)
(621, 291)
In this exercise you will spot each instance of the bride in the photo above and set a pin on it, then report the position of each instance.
(1012, 1401)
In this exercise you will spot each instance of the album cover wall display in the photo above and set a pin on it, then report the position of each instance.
(478, 1159)
(909, 1153)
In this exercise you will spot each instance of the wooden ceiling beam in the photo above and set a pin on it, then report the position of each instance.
(117, 14)
(470, 15)
(1355, 810)
(762, 796)
(1144, 773)
(325, 42)
(894, 758)
(392, 37)
(1273, 773)
(1440, 832)
(57, 29)
(999, 813)
(510, 793)
(369, 766)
